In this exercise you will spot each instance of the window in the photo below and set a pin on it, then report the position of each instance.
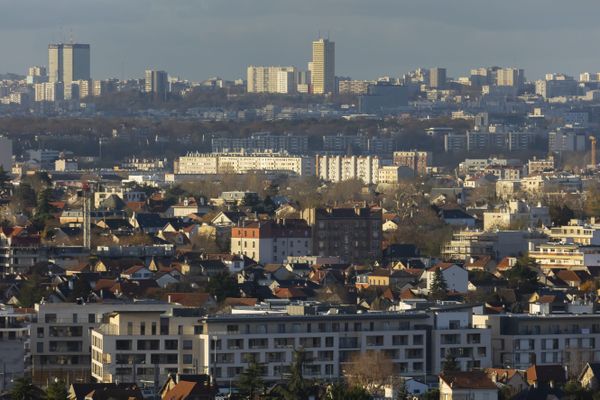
(171, 344)
(187, 359)
(50, 318)
(74, 318)
(232, 329)
(91, 318)
(142, 328)
(187, 344)
(153, 328)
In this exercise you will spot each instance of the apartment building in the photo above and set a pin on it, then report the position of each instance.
(14, 345)
(353, 234)
(576, 232)
(418, 161)
(342, 168)
(60, 337)
(271, 79)
(261, 142)
(519, 340)
(517, 214)
(553, 255)
(147, 345)
(389, 174)
(272, 241)
(222, 163)
(354, 86)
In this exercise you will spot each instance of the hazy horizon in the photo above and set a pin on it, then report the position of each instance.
(198, 39)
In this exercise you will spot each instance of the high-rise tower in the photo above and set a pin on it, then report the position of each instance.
(323, 66)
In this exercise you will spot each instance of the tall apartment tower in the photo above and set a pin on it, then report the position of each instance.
(437, 78)
(514, 77)
(157, 83)
(68, 62)
(323, 66)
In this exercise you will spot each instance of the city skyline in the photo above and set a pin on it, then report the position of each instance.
(193, 39)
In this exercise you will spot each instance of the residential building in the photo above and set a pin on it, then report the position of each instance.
(49, 91)
(223, 163)
(389, 174)
(517, 214)
(562, 140)
(418, 161)
(554, 255)
(61, 337)
(342, 168)
(6, 153)
(156, 83)
(323, 66)
(146, 345)
(437, 78)
(68, 62)
(576, 232)
(520, 340)
(456, 277)
(14, 340)
(514, 77)
(271, 241)
(354, 86)
(272, 79)
(353, 234)
(261, 142)
(556, 85)
(472, 385)
(537, 166)
(384, 98)
(357, 144)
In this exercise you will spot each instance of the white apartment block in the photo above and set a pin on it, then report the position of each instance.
(60, 337)
(271, 79)
(565, 256)
(576, 232)
(143, 345)
(342, 168)
(222, 163)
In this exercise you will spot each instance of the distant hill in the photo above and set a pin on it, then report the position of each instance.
(10, 76)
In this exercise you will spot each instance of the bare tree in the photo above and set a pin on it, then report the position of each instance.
(371, 370)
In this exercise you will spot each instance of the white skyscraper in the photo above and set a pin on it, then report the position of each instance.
(322, 66)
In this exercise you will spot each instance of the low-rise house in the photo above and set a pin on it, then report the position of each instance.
(473, 385)
(590, 377)
(508, 377)
(456, 277)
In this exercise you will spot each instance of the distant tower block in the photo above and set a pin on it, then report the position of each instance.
(593, 151)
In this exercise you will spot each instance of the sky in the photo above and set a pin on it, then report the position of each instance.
(199, 39)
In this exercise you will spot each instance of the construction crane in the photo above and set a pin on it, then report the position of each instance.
(593, 152)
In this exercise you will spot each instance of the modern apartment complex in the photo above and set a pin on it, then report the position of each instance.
(342, 168)
(261, 142)
(240, 163)
(60, 337)
(323, 66)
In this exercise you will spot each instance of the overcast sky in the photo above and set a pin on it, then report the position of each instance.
(198, 39)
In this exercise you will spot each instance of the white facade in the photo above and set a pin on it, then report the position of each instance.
(342, 168)
(271, 79)
(239, 163)
(457, 278)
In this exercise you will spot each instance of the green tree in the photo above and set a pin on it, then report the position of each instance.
(23, 389)
(23, 198)
(31, 291)
(296, 388)
(251, 382)
(57, 391)
(222, 285)
(439, 287)
(522, 276)
(450, 364)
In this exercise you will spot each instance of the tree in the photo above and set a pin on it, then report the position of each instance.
(522, 276)
(439, 287)
(450, 364)
(23, 389)
(4, 183)
(31, 292)
(251, 382)
(296, 388)
(370, 370)
(23, 198)
(222, 285)
(57, 390)
(433, 394)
